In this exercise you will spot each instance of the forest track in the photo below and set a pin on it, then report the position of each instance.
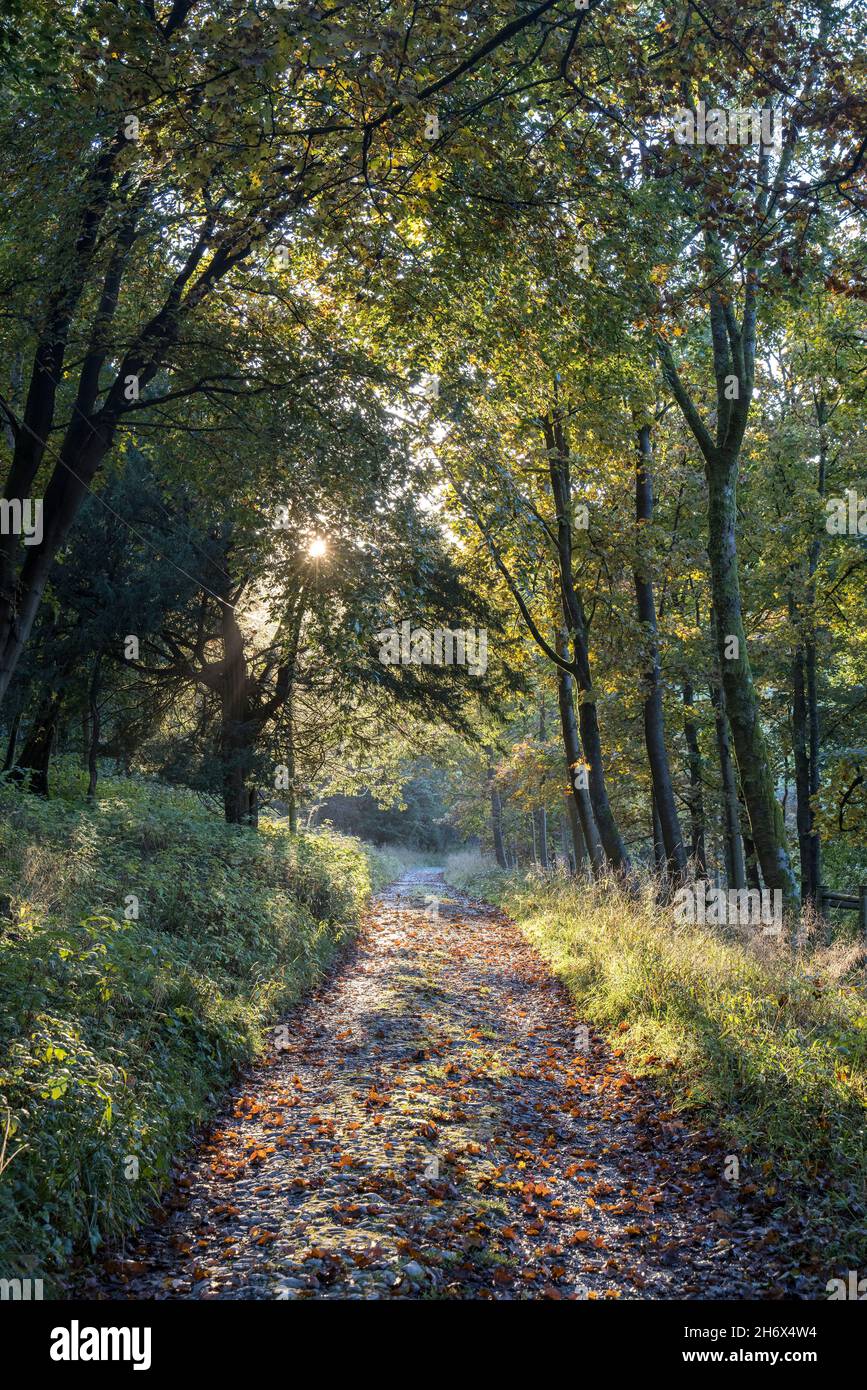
(433, 1124)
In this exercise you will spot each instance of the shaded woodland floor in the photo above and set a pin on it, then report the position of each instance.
(431, 1124)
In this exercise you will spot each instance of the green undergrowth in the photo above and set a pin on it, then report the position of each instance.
(144, 949)
(767, 1044)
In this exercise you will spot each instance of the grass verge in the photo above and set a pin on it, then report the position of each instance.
(768, 1044)
(144, 948)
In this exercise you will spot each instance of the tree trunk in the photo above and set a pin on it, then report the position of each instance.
(574, 617)
(84, 447)
(497, 822)
(566, 849)
(815, 850)
(286, 682)
(541, 814)
(654, 720)
(810, 657)
(696, 797)
(734, 350)
(91, 427)
(21, 593)
(806, 712)
(572, 746)
(751, 863)
(757, 783)
(240, 800)
(578, 856)
(736, 875)
(292, 808)
(12, 744)
(660, 859)
(804, 810)
(291, 794)
(35, 760)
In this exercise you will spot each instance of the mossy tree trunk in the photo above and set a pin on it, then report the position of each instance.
(734, 349)
(579, 794)
(559, 468)
(654, 719)
(736, 874)
(696, 781)
(497, 822)
(742, 706)
(240, 798)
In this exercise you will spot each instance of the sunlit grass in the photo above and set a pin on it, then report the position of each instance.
(771, 1043)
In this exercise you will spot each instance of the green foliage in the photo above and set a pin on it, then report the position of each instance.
(771, 1045)
(117, 1035)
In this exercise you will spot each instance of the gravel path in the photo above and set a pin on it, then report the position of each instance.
(436, 1123)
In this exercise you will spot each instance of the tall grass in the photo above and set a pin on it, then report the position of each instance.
(769, 1042)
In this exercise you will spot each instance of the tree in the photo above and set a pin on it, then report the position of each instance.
(184, 144)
